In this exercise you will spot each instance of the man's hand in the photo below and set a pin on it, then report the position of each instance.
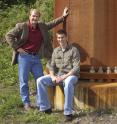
(60, 78)
(56, 79)
(53, 79)
(65, 12)
(20, 50)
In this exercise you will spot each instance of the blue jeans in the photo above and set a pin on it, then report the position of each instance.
(28, 63)
(68, 85)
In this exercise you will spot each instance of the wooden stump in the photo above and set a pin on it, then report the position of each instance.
(58, 98)
(51, 92)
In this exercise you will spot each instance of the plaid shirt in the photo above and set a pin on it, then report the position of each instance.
(65, 61)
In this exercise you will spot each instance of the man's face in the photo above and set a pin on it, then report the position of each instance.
(62, 40)
(34, 16)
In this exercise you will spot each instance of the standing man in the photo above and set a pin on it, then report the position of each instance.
(64, 70)
(28, 39)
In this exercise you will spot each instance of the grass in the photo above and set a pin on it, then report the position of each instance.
(11, 109)
(8, 73)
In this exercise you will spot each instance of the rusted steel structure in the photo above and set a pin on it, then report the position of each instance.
(92, 27)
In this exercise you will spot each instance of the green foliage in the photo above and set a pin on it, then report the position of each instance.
(8, 3)
(8, 73)
(44, 61)
(46, 9)
(10, 17)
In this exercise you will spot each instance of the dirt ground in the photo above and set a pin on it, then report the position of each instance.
(102, 117)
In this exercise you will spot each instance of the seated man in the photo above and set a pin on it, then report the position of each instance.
(64, 70)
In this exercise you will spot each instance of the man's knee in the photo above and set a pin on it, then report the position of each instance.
(72, 80)
(68, 85)
(39, 80)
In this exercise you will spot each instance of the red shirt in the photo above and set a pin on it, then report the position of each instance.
(34, 40)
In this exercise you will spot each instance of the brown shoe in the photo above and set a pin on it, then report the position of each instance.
(68, 118)
(27, 107)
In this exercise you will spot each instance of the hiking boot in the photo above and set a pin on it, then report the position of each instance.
(48, 111)
(68, 118)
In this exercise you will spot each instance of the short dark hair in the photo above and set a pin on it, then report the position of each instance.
(61, 31)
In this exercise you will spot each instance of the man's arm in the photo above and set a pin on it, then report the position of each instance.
(76, 61)
(51, 66)
(53, 76)
(58, 20)
(12, 36)
(63, 77)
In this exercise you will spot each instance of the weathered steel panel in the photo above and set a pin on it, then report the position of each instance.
(92, 26)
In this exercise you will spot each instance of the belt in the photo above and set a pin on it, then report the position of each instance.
(32, 53)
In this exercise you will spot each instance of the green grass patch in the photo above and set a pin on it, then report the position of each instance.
(8, 73)
(11, 109)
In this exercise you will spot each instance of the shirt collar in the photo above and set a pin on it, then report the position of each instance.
(30, 26)
(67, 47)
